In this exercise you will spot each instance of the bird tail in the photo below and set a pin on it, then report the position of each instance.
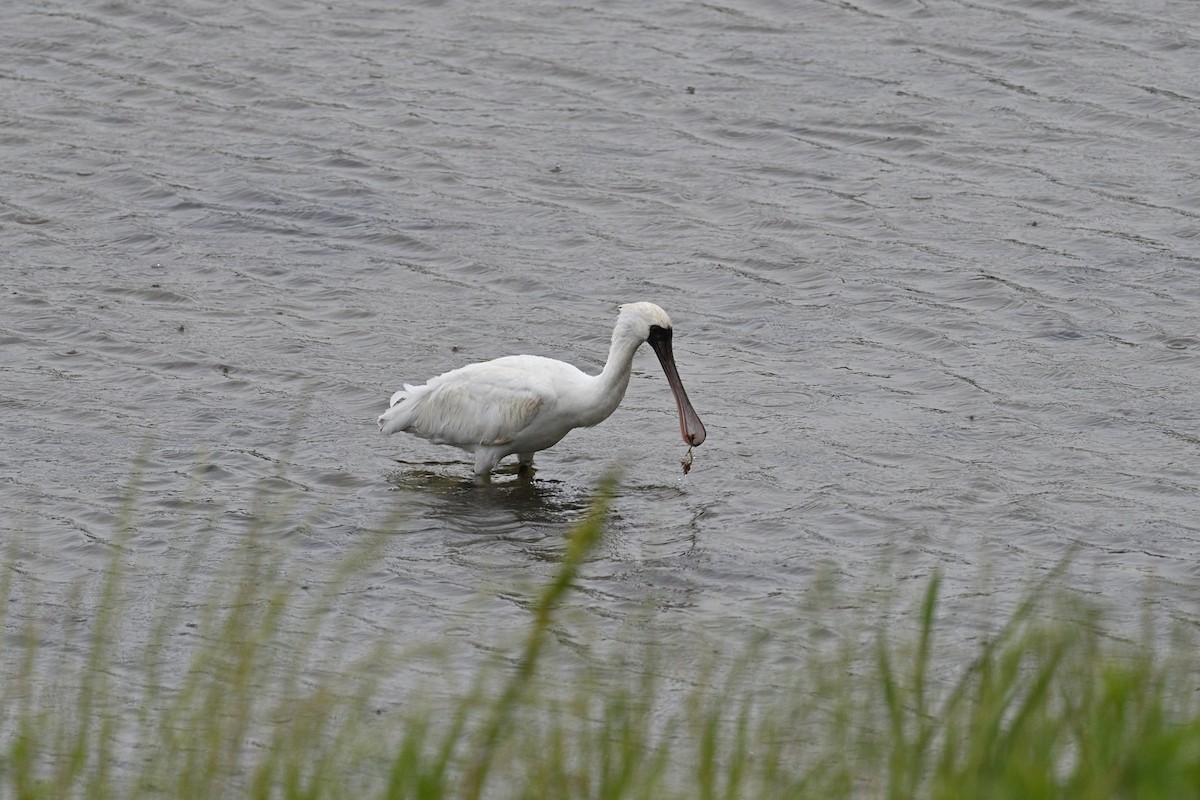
(399, 416)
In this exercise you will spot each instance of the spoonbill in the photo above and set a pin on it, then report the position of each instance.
(522, 404)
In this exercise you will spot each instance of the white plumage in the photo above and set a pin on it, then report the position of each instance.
(522, 404)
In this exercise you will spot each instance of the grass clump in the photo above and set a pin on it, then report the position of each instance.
(1046, 710)
(247, 704)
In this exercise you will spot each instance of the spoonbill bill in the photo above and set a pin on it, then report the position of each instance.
(522, 404)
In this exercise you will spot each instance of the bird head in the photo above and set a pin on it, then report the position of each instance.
(646, 322)
(638, 319)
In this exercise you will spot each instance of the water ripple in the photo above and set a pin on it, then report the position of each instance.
(931, 265)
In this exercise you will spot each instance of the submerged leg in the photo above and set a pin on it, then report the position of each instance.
(525, 465)
(486, 459)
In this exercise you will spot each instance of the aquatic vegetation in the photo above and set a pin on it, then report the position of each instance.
(1049, 706)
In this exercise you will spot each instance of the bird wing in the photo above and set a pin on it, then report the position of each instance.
(488, 403)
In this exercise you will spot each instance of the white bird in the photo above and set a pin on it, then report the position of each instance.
(522, 404)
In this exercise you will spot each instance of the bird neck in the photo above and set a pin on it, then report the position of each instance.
(613, 380)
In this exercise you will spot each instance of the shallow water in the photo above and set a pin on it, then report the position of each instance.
(932, 267)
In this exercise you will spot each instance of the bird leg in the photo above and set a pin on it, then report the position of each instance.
(525, 465)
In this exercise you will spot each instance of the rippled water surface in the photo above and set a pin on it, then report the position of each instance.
(933, 268)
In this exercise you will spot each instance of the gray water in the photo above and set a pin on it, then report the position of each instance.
(933, 268)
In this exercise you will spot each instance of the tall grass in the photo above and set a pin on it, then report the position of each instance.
(251, 707)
